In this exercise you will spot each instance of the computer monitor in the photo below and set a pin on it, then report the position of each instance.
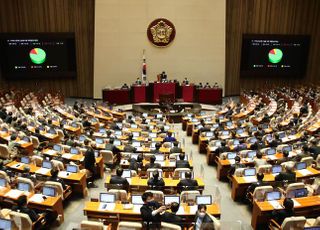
(136, 144)
(25, 160)
(63, 121)
(135, 134)
(151, 127)
(265, 126)
(5, 224)
(74, 125)
(301, 192)
(94, 119)
(82, 138)
(240, 131)
(276, 169)
(231, 156)
(126, 173)
(253, 140)
(99, 141)
(74, 151)
(102, 130)
(117, 142)
(49, 191)
(236, 142)
(204, 199)
(281, 134)
(209, 134)
(250, 172)
(26, 139)
(183, 175)
(287, 148)
(271, 151)
(159, 157)
(57, 148)
(312, 228)
(52, 131)
(301, 165)
(72, 168)
(46, 164)
(166, 127)
(251, 154)
(229, 123)
(254, 128)
(107, 197)
(268, 137)
(118, 132)
(137, 200)
(96, 153)
(3, 182)
(152, 135)
(159, 115)
(23, 186)
(134, 126)
(144, 115)
(225, 133)
(275, 195)
(199, 126)
(170, 199)
(41, 128)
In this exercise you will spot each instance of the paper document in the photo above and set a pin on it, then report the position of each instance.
(51, 152)
(181, 210)
(250, 179)
(63, 174)
(107, 206)
(67, 155)
(37, 198)
(275, 204)
(43, 171)
(14, 193)
(304, 172)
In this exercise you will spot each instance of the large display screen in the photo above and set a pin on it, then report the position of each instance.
(37, 55)
(274, 55)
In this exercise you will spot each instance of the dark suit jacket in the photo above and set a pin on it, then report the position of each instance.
(254, 185)
(206, 221)
(176, 150)
(89, 161)
(129, 149)
(182, 164)
(152, 165)
(146, 215)
(280, 215)
(119, 180)
(172, 218)
(156, 183)
(187, 183)
(291, 177)
(31, 213)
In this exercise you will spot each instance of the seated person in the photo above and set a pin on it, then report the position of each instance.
(128, 147)
(181, 163)
(125, 86)
(136, 164)
(258, 161)
(175, 148)
(223, 148)
(169, 138)
(235, 166)
(118, 179)
(116, 152)
(155, 181)
(171, 217)
(22, 207)
(280, 215)
(39, 136)
(289, 175)
(254, 185)
(207, 85)
(150, 211)
(203, 220)
(152, 164)
(285, 157)
(157, 150)
(204, 127)
(314, 149)
(54, 177)
(187, 183)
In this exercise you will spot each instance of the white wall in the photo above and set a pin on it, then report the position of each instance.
(197, 52)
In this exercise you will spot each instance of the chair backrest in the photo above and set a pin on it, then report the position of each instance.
(121, 194)
(169, 226)
(244, 153)
(150, 171)
(223, 156)
(21, 220)
(296, 222)
(91, 225)
(37, 160)
(125, 155)
(188, 196)
(157, 195)
(177, 171)
(308, 160)
(317, 221)
(280, 147)
(126, 225)
(147, 156)
(216, 222)
(28, 181)
(60, 134)
(284, 164)
(293, 186)
(107, 156)
(58, 165)
(35, 141)
(239, 172)
(318, 161)
(3, 174)
(4, 151)
(266, 169)
(259, 192)
(58, 187)
(167, 145)
(173, 156)
(134, 173)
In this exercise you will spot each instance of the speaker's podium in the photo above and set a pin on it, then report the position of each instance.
(163, 88)
(138, 93)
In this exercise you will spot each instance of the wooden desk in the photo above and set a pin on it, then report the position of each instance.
(240, 185)
(91, 210)
(26, 146)
(261, 213)
(141, 184)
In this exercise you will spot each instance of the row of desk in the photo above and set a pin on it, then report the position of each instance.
(153, 91)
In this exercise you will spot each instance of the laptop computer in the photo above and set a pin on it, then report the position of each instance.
(170, 199)
(49, 191)
(274, 195)
(204, 199)
(72, 168)
(249, 172)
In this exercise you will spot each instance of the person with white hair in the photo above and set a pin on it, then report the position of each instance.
(289, 175)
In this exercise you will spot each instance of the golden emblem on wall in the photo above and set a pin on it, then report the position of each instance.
(161, 32)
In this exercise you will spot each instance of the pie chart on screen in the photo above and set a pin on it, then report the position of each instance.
(275, 56)
(37, 55)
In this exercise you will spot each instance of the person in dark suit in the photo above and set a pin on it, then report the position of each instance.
(203, 220)
(155, 181)
(54, 177)
(118, 179)
(175, 148)
(136, 164)
(285, 157)
(280, 215)
(204, 127)
(254, 185)
(128, 147)
(111, 147)
(171, 217)
(38, 135)
(157, 150)
(314, 149)
(235, 166)
(22, 207)
(223, 148)
(275, 142)
(152, 164)
(89, 164)
(150, 212)
(181, 163)
(289, 175)
(187, 183)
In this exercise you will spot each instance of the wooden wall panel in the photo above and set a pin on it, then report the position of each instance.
(270, 17)
(54, 16)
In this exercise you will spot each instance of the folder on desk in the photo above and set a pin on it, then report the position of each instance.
(304, 172)
(275, 204)
(250, 179)
(37, 198)
(67, 155)
(63, 174)
(14, 193)
(43, 171)
(51, 152)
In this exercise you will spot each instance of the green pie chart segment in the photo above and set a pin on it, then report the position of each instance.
(275, 56)
(37, 55)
